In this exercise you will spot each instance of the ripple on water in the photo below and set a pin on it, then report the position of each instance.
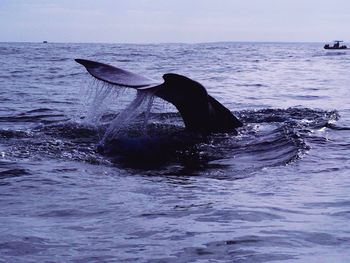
(276, 192)
(24, 246)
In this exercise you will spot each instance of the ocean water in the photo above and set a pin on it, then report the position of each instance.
(278, 191)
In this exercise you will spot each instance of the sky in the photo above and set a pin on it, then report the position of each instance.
(174, 21)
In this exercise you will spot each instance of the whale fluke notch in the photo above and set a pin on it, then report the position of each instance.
(199, 111)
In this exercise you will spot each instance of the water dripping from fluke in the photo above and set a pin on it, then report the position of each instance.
(279, 139)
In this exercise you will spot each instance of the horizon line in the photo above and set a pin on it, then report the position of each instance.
(159, 43)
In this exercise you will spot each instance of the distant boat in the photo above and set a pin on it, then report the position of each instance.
(336, 45)
(45, 42)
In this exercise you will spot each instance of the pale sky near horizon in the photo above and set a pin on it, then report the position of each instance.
(189, 21)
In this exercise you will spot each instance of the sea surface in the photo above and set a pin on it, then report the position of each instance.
(278, 191)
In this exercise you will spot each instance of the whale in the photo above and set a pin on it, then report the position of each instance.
(201, 113)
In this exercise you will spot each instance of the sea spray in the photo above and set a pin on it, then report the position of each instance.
(149, 103)
(141, 104)
(100, 96)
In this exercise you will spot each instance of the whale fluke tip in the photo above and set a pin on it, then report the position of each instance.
(85, 62)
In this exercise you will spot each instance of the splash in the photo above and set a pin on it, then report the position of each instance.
(141, 104)
(101, 97)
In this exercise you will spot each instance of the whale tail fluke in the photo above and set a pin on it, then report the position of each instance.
(200, 111)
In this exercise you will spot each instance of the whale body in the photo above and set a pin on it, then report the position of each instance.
(200, 112)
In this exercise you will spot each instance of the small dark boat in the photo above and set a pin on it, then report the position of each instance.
(336, 45)
(45, 42)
